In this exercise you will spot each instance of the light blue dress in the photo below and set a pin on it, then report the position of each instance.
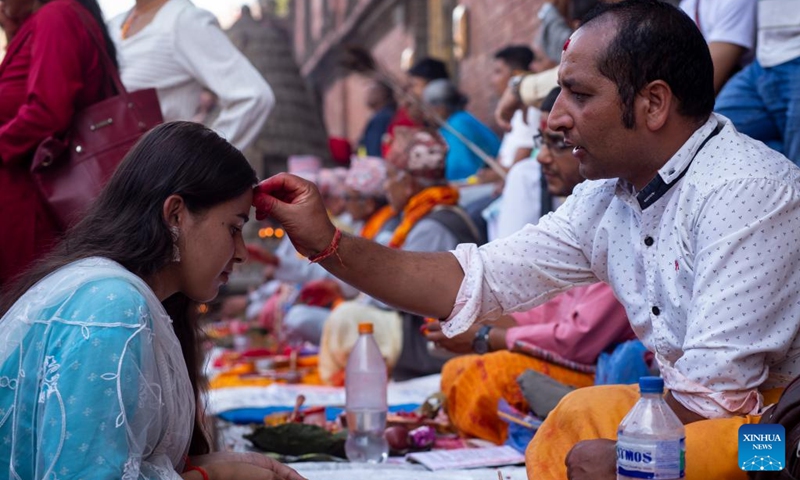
(80, 395)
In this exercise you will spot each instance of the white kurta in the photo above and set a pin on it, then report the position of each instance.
(183, 50)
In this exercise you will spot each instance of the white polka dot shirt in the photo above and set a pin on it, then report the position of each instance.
(705, 259)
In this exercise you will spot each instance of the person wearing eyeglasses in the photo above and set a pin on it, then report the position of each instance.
(525, 194)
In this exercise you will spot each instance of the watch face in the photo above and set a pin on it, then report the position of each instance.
(480, 344)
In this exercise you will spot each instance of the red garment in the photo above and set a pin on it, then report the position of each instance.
(401, 119)
(52, 69)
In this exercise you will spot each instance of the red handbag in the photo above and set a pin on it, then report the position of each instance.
(70, 170)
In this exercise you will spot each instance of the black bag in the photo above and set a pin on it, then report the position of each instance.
(787, 413)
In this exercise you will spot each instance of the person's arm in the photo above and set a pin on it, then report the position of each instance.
(725, 57)
(245, 97)
(553, 30)
(730, 30)
(587, 320)
(240, 465)
(532, 89)
(55, 78)
(430, 284)
(423, 283)
(462, 343)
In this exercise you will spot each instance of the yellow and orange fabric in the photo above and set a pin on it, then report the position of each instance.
(473, 384)
(596, 412)
(376, 222)
(242, 373)
(419, 206)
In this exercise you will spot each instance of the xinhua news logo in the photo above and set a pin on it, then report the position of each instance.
(762, 447)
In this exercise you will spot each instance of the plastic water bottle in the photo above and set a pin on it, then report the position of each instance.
(651, 438)
(366, 407)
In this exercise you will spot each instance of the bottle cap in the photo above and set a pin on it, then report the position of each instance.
(651, 385)
(365, 327)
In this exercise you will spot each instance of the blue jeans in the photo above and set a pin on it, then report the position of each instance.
(764, 103)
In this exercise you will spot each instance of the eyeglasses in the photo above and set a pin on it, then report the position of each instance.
(555, 143)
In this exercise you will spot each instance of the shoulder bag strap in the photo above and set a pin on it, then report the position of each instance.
(108, 65)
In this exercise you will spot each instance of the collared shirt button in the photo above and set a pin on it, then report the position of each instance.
(648, 240)
(656, 311)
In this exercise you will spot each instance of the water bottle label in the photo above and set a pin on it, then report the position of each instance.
(656, 459)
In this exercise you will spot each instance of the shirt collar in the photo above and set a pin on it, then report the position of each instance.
(672, 171)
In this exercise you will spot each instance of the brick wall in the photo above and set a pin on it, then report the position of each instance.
(344, 106)
(492, 25)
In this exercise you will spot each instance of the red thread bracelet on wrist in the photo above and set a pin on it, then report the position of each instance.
(188, 467)
(332, 248)
(198, 469)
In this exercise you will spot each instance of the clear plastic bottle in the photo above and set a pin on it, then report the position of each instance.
(651, 438)
(365, 401)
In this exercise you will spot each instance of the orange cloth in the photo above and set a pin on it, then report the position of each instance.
(596, 412)
(244, 375)
(420, 205)
(473, 384)
(377, 221)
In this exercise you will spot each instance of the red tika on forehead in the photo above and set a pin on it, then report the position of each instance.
(566, 44)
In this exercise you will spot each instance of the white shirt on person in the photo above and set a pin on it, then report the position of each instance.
(521, 202)
(729, 21)
(706, 260)
(183, 50)
(520, 136)
(778, 31)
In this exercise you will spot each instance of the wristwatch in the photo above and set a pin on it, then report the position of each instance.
(514, 84)
(480, 344)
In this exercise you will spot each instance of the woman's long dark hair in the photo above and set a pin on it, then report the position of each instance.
(126, 224)
(94, 8)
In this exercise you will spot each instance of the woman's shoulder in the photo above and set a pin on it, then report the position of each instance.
(185, 14)
(108, 300)
(99, 291)
(59, 12)
(67, 21)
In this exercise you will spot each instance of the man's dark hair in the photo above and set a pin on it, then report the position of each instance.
(655, 41)
(580, 8)
(550, 100)
(517, 57)
(429, 69)
(94, 9)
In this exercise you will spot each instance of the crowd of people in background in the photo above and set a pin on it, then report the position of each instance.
(426, 176)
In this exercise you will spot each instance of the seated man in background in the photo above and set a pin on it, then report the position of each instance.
(577, 325)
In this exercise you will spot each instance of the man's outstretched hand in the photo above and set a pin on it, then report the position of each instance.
(297, 205)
